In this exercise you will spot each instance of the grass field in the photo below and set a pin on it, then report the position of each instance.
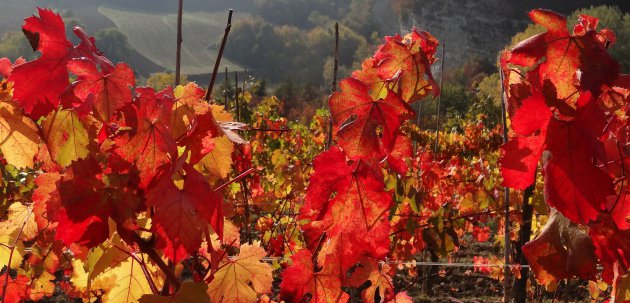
(154, 36)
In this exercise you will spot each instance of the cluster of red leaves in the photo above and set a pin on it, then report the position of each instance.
(347, 206)
(108, 154)
(129, 157)
(568, 105)
(440, 201)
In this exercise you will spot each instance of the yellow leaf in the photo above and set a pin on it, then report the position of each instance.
(231, 233)
(218, 162)
(187, 104)
(20, 223)
(122, 281)
(231, 283)
(101, 258)
(20, 217)
(189, 292)
(112, 263)
(19, 139)
(279, 160)
(42, 286)
(219, 113)
(5, 252)
(65, 136)
(221, 157)
(130, 283)
(79, 276)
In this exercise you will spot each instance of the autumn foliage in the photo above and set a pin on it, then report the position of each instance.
(568, 105)
(120, 193)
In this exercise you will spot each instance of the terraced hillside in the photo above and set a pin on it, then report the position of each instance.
(153, 35)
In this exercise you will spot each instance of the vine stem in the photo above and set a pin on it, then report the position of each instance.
(147, 248)
(248, 233)
(17, 238)
(242, 175)
(623, 172)
(506, 197)
(178, 59)
(334, 83)
(519, 287)
(146, 273)
(213, 78)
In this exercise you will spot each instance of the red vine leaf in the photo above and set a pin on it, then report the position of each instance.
(575, 185)
(16, 290)
(611, 246)
(407, 61)
(111, 91)
(521, 154)
(348, 202)
(39, 83)
(182, 216)
(148, 144)
(242, 278)
(357, 117)
(78, 206)
(302, 278)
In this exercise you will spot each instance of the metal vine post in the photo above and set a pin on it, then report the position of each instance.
(506, 198)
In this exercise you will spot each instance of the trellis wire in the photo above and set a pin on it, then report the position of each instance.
(419, 263)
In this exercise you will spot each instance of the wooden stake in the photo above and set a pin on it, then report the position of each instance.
(334, 83)
(226, 32)
(439, 105)
(178, 62)
(237, 108)
(226, 90)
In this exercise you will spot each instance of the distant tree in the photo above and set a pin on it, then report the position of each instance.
(14, 44)
(275, 51)
(114, 44)
(488, 99)
(360, 17)
(285, 90)
(160, 81)
(613, 18)
(297, 12)
(70, 20)
(402, 8)
(490, 88)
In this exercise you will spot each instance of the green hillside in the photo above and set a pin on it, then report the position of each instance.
(153, 35)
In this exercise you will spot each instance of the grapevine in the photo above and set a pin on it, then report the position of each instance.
(114, 192)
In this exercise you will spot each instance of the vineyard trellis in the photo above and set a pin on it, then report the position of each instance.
(104, 181)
